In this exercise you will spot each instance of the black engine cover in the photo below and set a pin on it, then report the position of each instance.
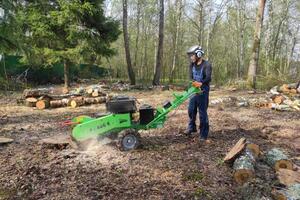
(146, 114)
(121, 104)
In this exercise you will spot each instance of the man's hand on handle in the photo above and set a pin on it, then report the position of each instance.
(196, 84)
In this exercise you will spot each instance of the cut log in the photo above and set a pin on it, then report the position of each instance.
(76, 102)
(278, 99)
(79, 90)
(36, 92)
(278, 159)
(65, 90)
(291, 193)
(236, 150)
(90, 91)
(43, 104)
(100, 99)
(244, 167)
(274, 90)
(254, 148)
(5, 140)
(284, 88)
(288, 177)
(90, 100)
(58, 142)
(280, 107)
(59, 103)
(31, 101)
(95, 93)
(62, 96)
(293, 91)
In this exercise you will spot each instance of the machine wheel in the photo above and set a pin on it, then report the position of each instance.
(128, 139)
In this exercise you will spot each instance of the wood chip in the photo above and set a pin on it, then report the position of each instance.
(5, 140)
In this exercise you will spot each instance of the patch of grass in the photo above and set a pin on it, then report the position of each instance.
(5, 194)
(193, 176)
(200, 193)
(220, 162)
(120, 172)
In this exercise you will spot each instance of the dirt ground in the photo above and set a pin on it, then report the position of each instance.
(169, 165)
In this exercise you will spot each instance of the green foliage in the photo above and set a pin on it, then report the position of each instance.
(59, 31)
(200, 192)
(193, 176)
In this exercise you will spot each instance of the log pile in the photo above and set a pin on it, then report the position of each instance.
(44, 98)
(285, 97)
(286, 175)
(244, 155)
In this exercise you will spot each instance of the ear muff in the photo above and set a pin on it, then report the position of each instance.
(199, 53)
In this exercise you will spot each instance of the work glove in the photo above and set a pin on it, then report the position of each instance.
(196, 84)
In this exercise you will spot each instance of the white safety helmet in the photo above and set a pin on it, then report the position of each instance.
(197, 50)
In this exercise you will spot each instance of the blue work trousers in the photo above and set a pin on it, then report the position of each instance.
(199, 102)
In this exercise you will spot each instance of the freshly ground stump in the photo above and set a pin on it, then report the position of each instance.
(56, 142)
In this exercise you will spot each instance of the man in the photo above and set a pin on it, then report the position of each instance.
(200, 74)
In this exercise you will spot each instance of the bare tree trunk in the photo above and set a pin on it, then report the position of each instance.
(256, 45)
(126, 42)
(66, 74)
(208, 32)
(293, 47)
(156, 79)
(269, 36)
(178, 23)
(240, 36)
(137, 33)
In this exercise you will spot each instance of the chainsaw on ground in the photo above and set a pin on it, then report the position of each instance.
(121, 119)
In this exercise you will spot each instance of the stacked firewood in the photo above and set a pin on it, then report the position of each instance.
(43, 98)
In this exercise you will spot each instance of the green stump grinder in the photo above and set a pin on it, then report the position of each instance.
(121, 120)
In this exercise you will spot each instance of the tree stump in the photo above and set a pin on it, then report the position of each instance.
(57, 142)
(244, 167)
(278, 159)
